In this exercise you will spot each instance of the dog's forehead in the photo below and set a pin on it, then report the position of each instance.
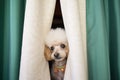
(57, 43)
(55, 36)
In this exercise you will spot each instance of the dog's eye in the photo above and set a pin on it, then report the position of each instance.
(52, 48)
(62, 45)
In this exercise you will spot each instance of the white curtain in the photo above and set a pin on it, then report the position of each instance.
(38, 20)
(74, 17)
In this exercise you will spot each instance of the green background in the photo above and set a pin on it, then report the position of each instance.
(11, 28)
(103, 39)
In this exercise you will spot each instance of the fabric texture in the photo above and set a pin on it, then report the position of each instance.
(74, 19)
(103, 39)
(11, 27)
(38, 20)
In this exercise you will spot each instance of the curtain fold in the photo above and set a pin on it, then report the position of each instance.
(103, 39)
(38, 21)
(74, 20)
(6, 41)
(11, 24)
(16, 30)
(2, 3)
(114, 38)
(97, 41)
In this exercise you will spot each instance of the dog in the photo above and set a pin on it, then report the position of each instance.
(56, 51)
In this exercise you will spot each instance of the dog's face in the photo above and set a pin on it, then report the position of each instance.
(56, 45)
(57, 51)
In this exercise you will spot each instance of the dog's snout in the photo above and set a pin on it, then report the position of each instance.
(56, 55)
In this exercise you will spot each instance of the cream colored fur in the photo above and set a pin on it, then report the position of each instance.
(56, 36)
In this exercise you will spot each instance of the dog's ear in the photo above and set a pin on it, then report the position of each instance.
(67, 49)
(47, 53)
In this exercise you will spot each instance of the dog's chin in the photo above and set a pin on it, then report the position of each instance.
(59, 59)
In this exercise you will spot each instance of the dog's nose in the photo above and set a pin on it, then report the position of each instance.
(56, 55)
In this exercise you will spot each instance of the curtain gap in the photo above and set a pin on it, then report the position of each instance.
(57, 18)
(57, 21)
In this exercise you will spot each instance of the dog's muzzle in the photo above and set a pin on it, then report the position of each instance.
(57, 56)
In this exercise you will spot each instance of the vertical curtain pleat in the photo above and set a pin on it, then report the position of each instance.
(16, 28)
(1, 36)
(98, 40)
(82, 13)
(114, 37)
(103, 39)
(38, 20)
(6, 42)
(75, 28)
(12, 36)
